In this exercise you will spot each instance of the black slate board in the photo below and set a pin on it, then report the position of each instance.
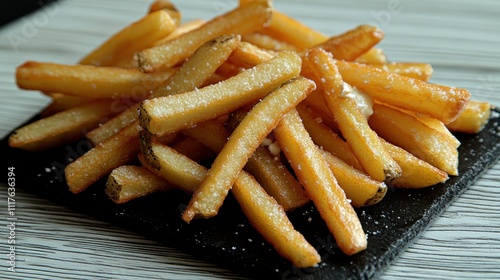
(229, 241)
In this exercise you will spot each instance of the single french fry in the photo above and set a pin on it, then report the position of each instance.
(408, 132)
(318, 180)
(133, 38)
(128, 182)
(146, 142)
(247, 55)
(61, 128)
(191, 75)
(238, 21)
(416, 173)
(420, 71)
(373, 55)
(268, 42)
(245, 139)
(292, 31)
(102, 159)
(263, 212)
(175, 112)
(442, 103)
(88, 80)
(60, 102)
(358, 187)
(269, 172)
(473, 118)
(363, 141)
(325, 138)
(167, 6)
(353, 43)
(183, 28)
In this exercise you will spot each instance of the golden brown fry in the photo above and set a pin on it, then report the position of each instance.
(290, 30)
(61, 102)
(373, 55)
(128, 182)
(420, 71)
(247, 55)
(443, 103)
(267, 42)
(267, 216)
(191, 75)
(238, 21)
(325, 138)
(318, 180)
(245, 139)
(133, 38)
(168, 7)
(363, 141)
(184, 28)
(358, 187)
(102, 159)
(408, 132)
(353, 43)
(87, 80)
(416, 173)
(171, 113)
(61, 128)
(269, 172)
(473, 118)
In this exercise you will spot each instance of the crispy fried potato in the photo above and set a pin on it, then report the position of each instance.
(442, 103)
(416, 173)
(129, 182)
(318, 180)
(473, 118)
(373, 55)
(267, 216)
(353, 43)
(408, 132)
(88, 80)
(247, 55)
(60, 102)
(358, 187)
(419, 71)
(363, 141)
(135, 37)
(191, 75)
(325, 138)
(183, 28)
(245, 139)
(61, 128)
(267, 42)
(241, 20)
(168, 7)
(102, 159)
(269, 172)
(172, 113)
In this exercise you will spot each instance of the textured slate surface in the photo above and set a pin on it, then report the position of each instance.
(228, 240)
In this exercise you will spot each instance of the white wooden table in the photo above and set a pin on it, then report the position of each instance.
(461, 39)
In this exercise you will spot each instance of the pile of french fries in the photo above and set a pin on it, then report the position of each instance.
(255, 103)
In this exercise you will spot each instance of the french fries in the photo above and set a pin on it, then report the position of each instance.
(172, 113)
(245, 139)
(61, 128)
(128, 182)
(406, 93)
(241, 20)
(139, 35)
(320, 183)
(362, 140)
(243, 93)
(88, 80)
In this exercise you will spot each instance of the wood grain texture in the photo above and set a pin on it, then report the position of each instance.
(460, 39)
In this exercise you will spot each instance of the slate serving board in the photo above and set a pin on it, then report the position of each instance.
(229, 241)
